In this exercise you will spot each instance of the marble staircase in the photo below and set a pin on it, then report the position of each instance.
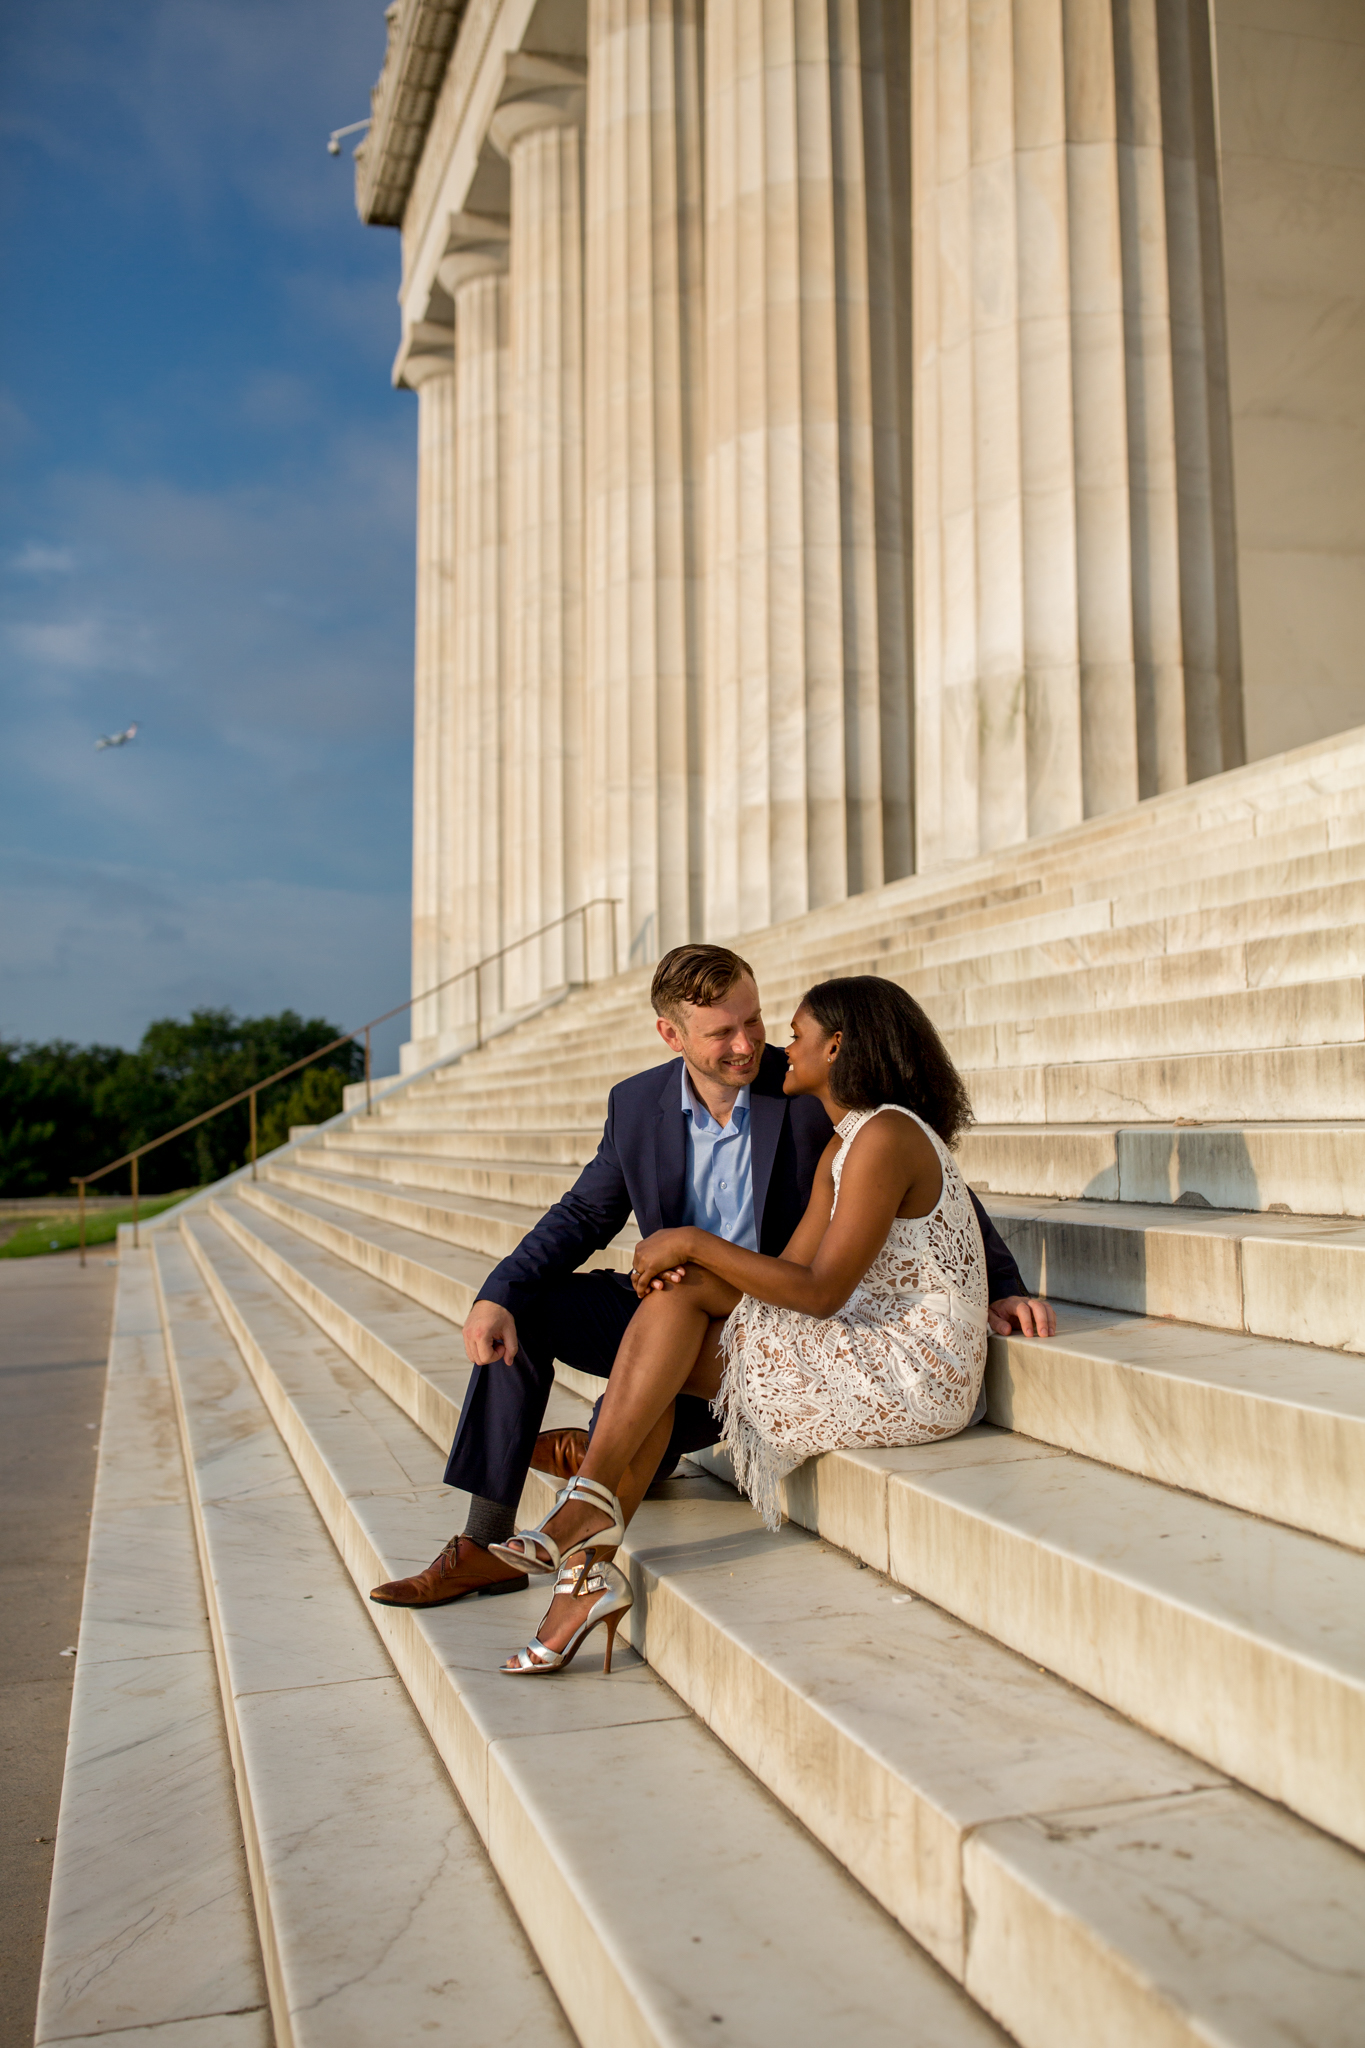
(1054, 1732)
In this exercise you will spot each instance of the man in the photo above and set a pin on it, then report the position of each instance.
(710, 1140)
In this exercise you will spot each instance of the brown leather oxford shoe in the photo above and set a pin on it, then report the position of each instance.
(560, 1452)
(461, 1569)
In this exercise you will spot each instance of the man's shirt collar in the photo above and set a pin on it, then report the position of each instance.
(693, 1106)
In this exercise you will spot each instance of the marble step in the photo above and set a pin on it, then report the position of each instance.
(866, 934)
(490, 1229)
(151, 1935)
(1298, 1278)
(1160, 892)
(375, 1895)
(1266, 933)
(1301, 1169)
(1231, 1642)
(1153, 977)
(1299, 1084)
(533, 1186)
(1052, 910)
(1247, 1020)
(1092, 932)
(1294, 1084)
(1274, 1428)
(943, 1770)
(1314, 1169)
(1304, 959)
(1148, 972)
(1235, 1638)
(440, 1277)
(720, 1911)
(1306, 1014)
(1283, 939)
(569, 1149)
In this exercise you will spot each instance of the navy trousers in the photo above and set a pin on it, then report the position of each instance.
(580, 1321)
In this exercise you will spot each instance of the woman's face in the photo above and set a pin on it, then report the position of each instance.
(808, 1056)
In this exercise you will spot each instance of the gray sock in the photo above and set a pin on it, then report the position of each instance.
(489, 1521)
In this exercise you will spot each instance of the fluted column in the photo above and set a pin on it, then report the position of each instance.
(539, 129)
(807, 733)
(475, 276)
(1068, 558)
(431, 375)
(644, 404)
(1185, 612)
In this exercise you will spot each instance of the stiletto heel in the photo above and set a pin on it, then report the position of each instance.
(613, 1623)
(522, 1550)
(614, 1599)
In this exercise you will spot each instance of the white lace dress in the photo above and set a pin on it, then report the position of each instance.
(900, 1363)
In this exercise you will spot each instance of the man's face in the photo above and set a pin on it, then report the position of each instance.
(723, 1042)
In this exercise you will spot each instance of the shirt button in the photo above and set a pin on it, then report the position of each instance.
(725, 1183)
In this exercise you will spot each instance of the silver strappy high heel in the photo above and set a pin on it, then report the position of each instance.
(522, 1550)
(614, 1599)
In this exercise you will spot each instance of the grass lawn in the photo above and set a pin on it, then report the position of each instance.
(101, 1227)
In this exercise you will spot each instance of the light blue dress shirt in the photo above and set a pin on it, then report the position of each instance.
(720, 1181)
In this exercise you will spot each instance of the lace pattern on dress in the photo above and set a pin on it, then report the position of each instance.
(889, 1368)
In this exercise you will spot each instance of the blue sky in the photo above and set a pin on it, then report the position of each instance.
(206, 522)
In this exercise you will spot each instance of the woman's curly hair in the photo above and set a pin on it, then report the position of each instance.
(888, 1052)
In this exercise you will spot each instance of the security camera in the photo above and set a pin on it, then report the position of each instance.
(334, 148)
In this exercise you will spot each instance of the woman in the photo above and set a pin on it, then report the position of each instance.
(870, 1328)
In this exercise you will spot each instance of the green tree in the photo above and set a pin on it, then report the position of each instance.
(55, 1113)
(313, 1097)
(67, 1109)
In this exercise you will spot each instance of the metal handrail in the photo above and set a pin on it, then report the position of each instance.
(83, 1180)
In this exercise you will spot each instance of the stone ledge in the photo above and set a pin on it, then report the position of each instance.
(849, 1701)
(375, 1890)
(150, 1929)
(617, 1912)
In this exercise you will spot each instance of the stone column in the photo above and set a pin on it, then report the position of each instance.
(1065, 570)
(474, 275)
(807, 736)
(644, 403)
(538, 127)
(431, 375)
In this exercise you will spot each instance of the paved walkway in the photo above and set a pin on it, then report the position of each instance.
(54, 1335)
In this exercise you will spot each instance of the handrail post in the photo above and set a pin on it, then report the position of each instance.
(251, 1103)
(135, 1243)
(367, 1070)
(81, 1185)
(583, 915)
(615, 938)
(478, 1006)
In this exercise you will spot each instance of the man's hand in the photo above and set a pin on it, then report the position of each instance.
(490, 1334)
(659, 1260)
(1019, 1311)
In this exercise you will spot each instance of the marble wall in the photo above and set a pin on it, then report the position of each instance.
(857, 435)
(1291, 107)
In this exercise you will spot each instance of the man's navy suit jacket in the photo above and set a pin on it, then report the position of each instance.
(641, 1166)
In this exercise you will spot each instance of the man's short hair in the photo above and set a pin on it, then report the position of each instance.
(695, 975)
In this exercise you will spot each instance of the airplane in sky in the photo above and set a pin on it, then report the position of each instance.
(117, 739)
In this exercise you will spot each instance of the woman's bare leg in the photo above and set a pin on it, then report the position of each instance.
(672, 1343)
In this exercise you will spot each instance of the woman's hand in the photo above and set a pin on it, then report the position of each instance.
(659, 1260)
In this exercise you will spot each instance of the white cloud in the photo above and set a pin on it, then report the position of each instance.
(33, 559)
(94, 951)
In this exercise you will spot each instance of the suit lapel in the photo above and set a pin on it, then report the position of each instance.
(766, 1116)
(670, 1157)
